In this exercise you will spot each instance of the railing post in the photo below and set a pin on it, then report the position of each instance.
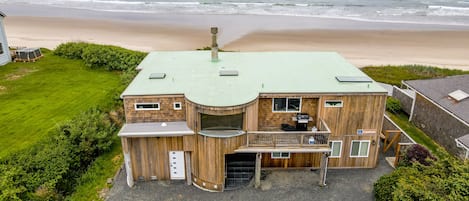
(302, 140)
(247, 139)
(274, 139)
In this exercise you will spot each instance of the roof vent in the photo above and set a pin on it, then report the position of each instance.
(157, 75)
(228, 73)
(353, 79)
(458, 95)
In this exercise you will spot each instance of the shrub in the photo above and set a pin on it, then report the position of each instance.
(393, 105)
(442, 180)
(101, 56)
(385, 186)
(417, 153)
(49, 170)
(72, 50)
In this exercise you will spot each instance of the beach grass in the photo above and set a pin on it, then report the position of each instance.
(418, 135)
(395, 74)
(36, 96)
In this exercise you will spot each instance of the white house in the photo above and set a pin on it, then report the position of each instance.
(5, 56)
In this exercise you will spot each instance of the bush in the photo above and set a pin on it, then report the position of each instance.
(101, 56)
(417, 153)
(49, 170)
(71, 50)
(442, 180)
(393, 105)
(385, 186)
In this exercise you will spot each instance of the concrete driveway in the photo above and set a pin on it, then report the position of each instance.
(295, 185)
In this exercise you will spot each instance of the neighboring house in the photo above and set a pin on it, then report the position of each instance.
(216, 122)
(441, 109)
(5, 56)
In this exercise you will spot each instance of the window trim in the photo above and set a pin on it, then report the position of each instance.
(340, 148)
(176, 108)
(279, 157)
(360, 148)
(286, 108)
(341, 103)
(137, 109)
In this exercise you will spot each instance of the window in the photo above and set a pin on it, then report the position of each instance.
(147, 106)
(280, 155)
(359, 148)
(1, 48)
(221, 122)
(333, 103)
(286, 104)
(177, 106)
(336, 147)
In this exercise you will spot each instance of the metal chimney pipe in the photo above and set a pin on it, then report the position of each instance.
(214, 31)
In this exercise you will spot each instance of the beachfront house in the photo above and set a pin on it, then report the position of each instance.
(5, 56)
(440, 107)
(216, 121)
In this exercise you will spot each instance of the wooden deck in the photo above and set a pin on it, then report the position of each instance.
(294, 139)
(309, 149)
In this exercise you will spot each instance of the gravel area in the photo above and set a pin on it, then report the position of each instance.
(297, 185)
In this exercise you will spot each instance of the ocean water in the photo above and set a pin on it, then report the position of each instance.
(445, 12)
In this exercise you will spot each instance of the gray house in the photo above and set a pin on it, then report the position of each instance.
(441, 109)
(5, 56)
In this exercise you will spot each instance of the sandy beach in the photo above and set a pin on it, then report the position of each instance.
(444, 48)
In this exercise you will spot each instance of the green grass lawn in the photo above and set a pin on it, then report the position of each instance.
(34, 97)
(418, 135)
(395, 74)
(94, 180)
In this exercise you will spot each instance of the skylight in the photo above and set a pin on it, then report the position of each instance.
(157, 76)
(458, 95)
(228, 73)
(353, 79)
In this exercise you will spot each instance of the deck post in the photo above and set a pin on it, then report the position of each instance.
(257, 173)
(127, 161)
(188, 168)
(323, 172)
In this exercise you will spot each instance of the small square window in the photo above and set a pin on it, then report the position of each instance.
(177, 106)
(1, 48)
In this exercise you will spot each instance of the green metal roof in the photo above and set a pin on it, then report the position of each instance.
(193, 74)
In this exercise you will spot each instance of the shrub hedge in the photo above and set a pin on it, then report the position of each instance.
(49, 170)
(101, 56)
(445, 179)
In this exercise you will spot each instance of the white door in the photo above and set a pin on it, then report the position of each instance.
(177, 168)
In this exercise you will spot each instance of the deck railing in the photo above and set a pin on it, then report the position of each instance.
(289, 138)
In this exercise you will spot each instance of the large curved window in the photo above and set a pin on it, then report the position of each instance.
(222, 122)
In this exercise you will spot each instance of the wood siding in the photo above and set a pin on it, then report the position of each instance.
(296, 160)
(150, 156)
(210, 153)
(358, 112)
(166, 112)
(270, 121)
